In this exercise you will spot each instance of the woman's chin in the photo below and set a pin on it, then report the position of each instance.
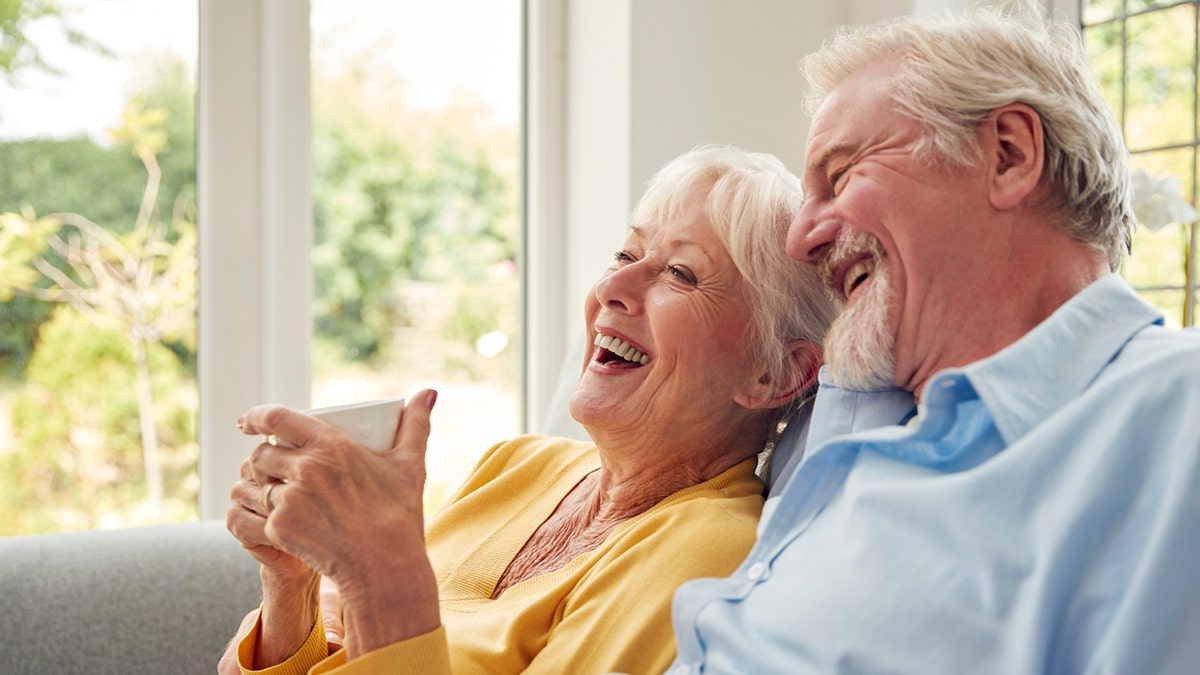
(590, 408)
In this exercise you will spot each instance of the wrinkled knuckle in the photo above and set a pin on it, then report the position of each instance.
(255, 457)
(280, 528)
(273, 415)
(302, 473)
(233, 523)
(324, 437)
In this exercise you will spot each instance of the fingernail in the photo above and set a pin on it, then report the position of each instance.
(431, 398)
(241, 421)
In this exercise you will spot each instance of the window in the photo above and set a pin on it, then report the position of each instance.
(1144, 54)
(258, 200)
(416, 233)
(97, 157)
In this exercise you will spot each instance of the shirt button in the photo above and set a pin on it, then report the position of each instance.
(756, 571)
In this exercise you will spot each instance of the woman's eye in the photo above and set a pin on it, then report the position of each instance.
(622, 257)
(681, 273)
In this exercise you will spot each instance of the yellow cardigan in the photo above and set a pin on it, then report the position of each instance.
(608, 609)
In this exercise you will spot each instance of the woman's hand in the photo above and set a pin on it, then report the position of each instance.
(246, 519)
(331, 615)
(353, 515)
(331, 618)
(228, 665)
(289, 586)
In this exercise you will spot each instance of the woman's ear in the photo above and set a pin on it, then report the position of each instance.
(804, 362)
(1014, 147)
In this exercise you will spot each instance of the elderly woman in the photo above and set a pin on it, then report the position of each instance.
(556, 555)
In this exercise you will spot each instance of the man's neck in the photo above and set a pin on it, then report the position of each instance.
(1022, 301)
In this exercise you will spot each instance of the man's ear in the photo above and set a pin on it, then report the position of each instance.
(804, 362)
(1014, 148)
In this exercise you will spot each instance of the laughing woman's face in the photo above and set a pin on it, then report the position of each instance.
(670, 327)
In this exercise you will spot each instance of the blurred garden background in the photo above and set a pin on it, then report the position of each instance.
(415, 187)
(416, 160)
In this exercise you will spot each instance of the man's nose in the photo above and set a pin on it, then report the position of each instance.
(810, 233)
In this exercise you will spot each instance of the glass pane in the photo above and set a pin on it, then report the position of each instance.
(1168, 300)
(1103, 45)
(1159, 248)
(1143, 5)
(1159, 104)
(1095, 11)
(97, 361)
(416, 182)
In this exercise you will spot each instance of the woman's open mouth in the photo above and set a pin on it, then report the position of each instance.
(617, 352)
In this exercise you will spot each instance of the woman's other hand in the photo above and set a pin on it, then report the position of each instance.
(290, 601)
(353, 515)
(246, 519)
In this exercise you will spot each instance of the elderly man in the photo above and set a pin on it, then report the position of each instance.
(1039, 510)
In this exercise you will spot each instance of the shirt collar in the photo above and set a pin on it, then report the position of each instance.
(839, 410)
(1025, 382)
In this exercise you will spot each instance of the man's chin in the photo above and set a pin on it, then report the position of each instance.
(859, 354)
(861, 375)
(858, 380)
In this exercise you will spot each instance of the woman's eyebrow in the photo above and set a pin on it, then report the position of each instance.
(679, 243)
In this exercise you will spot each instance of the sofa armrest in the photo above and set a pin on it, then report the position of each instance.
(159, 599)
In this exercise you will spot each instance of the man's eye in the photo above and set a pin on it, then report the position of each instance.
(837, 179)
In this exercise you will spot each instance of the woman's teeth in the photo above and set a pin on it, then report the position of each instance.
(621, 348)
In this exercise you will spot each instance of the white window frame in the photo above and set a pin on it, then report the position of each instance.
(255, 225)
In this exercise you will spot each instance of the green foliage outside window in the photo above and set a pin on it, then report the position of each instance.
(78, 461)
(1143, 54)
(404, 198)
(414, 260)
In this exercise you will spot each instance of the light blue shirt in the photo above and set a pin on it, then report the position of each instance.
(1041, 514)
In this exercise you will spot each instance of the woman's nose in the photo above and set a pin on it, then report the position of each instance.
(620, 289)
(810, 233)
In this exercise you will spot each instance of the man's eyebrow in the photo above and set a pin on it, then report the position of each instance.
(828, 155)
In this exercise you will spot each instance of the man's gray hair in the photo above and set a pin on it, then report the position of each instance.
(955, 70)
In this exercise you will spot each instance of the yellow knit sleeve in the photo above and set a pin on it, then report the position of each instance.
(312, 651)
(427, 654)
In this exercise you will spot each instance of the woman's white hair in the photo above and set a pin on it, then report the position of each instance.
(955, 70)
(750, 200)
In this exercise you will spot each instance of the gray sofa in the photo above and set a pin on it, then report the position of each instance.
(160, 599)
(163, 599)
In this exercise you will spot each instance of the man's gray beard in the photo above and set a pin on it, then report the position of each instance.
(859, 348)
